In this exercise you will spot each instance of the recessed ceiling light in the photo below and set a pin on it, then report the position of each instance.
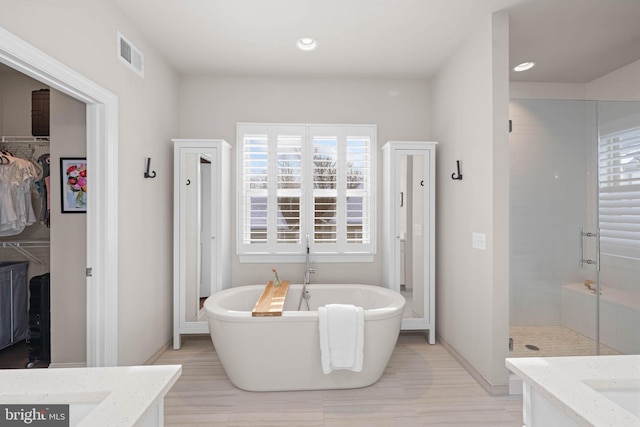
(524, 66)
(306, 43)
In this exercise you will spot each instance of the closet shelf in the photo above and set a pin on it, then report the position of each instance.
(23, 246)
(26, 147)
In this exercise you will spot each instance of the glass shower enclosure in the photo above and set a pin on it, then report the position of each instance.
(574, 227)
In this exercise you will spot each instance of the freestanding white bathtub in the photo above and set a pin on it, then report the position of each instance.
(283, 352)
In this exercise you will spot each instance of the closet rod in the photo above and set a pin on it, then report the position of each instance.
(24, 139)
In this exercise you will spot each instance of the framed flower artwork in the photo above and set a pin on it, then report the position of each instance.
(73, 184)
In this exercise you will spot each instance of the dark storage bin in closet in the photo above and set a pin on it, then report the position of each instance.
(13, 303)
(39, 340)
(40, 112)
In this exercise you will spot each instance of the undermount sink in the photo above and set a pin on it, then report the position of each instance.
(624, 393)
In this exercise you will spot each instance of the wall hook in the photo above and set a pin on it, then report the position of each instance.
(147, 174)
(453, 175)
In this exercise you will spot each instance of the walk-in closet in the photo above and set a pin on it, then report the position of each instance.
(30, 219)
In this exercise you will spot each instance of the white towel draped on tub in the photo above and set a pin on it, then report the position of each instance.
(341, 337)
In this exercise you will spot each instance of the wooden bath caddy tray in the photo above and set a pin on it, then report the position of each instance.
(271, 301)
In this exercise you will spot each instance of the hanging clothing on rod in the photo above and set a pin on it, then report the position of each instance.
(35, 149)
(44, 161)
(17, 176)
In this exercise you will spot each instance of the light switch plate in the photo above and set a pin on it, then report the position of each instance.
(479, 241)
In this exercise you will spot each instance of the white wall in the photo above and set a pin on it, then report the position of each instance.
(534, 90)
(622, 84)
(210, 107)
(15, 100)
(469, 116)
(82, 35)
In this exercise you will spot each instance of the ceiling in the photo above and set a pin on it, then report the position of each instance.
(571, 41)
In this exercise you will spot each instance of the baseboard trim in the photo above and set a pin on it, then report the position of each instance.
(68, 365)
(155, 356)
(491, 389)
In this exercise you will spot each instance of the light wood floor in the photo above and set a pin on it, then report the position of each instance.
(423, 385)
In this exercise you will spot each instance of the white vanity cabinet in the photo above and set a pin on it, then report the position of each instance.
(579, 390)
(408, 229)
(201, 230)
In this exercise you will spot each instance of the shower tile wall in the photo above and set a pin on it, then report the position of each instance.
(551, 150)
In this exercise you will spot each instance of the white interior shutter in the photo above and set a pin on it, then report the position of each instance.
(325, 188)
(289, 192)
(619, 192)
(358, 193)
(255, 191)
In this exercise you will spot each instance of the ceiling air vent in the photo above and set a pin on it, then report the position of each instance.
(130, 55)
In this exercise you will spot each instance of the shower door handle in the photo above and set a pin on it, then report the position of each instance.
(598, 251)
(581, 256)
(584, 234)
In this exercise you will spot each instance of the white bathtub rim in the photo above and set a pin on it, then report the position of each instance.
(215, 311)
(294, 316)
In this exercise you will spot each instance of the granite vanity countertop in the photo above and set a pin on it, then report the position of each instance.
(114, 396)
(579, 385)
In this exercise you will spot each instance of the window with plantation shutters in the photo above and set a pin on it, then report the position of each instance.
(305, 180)
(619, 194)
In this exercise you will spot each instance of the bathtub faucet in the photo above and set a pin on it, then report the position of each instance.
(308, 270)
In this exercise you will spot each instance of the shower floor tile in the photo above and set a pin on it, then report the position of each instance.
(552, 341)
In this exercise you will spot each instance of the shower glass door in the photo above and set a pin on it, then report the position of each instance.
(552, 149)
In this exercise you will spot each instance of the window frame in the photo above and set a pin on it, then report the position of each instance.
(271, 250)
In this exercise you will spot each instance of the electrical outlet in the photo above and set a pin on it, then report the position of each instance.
(479, 241)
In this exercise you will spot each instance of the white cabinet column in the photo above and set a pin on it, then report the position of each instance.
(201, 230)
